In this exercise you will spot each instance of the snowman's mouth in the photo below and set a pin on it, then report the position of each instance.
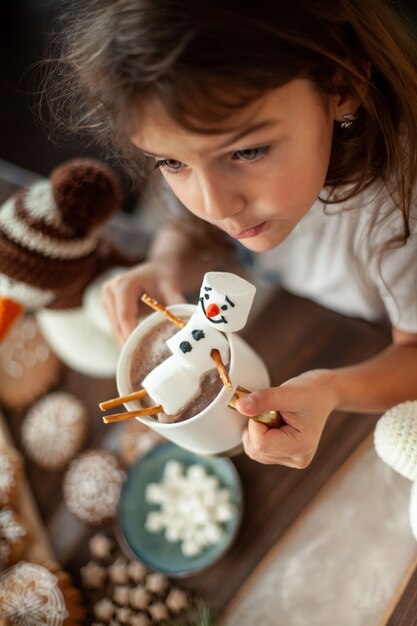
(218, 321)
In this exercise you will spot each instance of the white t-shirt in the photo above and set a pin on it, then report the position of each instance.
(333, 257)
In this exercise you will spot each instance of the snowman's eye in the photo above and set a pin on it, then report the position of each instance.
(206, 296)
(224, 307)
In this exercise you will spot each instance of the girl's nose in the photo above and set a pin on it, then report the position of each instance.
(220, 200)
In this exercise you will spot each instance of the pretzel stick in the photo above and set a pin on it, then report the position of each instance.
(154, 304)
(215, 355)
(121, 417)
(272, 419)
(135, 395)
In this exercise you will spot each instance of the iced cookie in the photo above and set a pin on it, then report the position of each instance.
(92, 487)
(54, 430)
(31, 595)
(13, 537)
(28, 368)
(10, 475)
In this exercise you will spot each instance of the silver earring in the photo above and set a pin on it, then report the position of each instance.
(349, 119)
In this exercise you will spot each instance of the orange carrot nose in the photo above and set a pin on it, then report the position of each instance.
(10, 311)
(212, 310)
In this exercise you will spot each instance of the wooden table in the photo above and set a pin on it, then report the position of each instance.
(291, 335)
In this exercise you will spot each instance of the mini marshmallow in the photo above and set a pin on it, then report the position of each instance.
(171, 385)
(193, 345)
(225, 301)
(193, 508)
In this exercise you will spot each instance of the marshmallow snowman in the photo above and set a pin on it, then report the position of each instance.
(224, 305)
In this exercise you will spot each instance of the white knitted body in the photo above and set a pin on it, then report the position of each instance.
(395, 440)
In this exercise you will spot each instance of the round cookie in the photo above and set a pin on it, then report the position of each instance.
(10, 475)
(13, 537)
(33, 594)
(92, 486)
(28, 368)
(54, 430)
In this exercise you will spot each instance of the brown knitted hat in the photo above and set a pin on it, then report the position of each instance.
(49, 236)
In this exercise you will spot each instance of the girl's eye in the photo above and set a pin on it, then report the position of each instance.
(169, 165)
(251, 154)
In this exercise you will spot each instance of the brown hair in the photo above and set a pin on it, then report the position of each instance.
(203, 59)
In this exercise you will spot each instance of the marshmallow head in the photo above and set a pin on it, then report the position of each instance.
(192, 345)
(225, 301)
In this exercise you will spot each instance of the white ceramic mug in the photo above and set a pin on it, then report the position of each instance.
(217, 430)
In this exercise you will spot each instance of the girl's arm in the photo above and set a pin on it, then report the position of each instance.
(305, 402)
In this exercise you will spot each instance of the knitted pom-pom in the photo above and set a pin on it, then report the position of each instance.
(413, 509)
(395, 438)
(86, 192)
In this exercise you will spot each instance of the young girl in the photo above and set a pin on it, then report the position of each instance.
(292, 128)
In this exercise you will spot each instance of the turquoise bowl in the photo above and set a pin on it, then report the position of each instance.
(152, 549)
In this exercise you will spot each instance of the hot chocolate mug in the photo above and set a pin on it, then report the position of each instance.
(217, 429)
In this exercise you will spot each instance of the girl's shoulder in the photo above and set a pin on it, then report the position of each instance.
(374, 211)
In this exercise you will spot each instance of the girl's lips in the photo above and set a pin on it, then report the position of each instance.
(249, 232)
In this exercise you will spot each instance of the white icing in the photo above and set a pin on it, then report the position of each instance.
(92, 487)
(30, 596)
(10, 527)
(54, 428)
(7, 474)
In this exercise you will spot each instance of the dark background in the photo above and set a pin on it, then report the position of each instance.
(25, 32)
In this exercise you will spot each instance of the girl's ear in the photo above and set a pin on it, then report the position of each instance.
(351, 92)
(344, 104)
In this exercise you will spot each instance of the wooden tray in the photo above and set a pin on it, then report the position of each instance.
(292, 554)
(39, 549)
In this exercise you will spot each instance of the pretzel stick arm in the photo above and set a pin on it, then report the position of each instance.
(135, 395)
(154, 304)
(215, 355)
(121, 417)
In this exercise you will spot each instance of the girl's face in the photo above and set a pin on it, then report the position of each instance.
(259, 177)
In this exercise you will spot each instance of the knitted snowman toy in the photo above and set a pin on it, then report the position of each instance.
(395, 440)
(54, 257)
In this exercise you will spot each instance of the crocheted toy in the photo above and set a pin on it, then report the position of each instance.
(54, 257)
(395, 440)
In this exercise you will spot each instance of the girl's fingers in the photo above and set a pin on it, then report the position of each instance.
(282, 445)
(270, 459)
(121, 307)
(170, 294)
(108, 303)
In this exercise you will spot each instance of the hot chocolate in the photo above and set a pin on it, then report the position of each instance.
(150, 352)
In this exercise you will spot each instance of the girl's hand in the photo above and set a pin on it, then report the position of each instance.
(305, 403)
(121, 295)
